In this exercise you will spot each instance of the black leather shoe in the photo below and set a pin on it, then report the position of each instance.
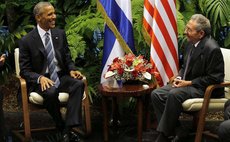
(73, 137)
(162, 138)
(179, 139)
(65, 137)
(176, 139)
(181, 135)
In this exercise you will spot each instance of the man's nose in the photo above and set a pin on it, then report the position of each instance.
(54, 16)
(185, 32)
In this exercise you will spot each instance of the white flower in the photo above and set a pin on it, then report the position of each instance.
(109, 74)
(147, 75)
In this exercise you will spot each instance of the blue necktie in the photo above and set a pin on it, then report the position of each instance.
(50, 58)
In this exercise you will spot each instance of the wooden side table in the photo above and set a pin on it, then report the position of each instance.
(137, 91)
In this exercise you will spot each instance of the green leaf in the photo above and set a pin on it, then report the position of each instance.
(227, 41)
(223, 20)
(180, 24)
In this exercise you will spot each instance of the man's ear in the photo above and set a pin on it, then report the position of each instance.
(201, 34)
(37, 17)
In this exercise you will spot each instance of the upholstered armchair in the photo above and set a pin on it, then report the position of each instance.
(34, 101)
(199, 107)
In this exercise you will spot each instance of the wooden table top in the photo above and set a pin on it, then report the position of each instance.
(133, 90)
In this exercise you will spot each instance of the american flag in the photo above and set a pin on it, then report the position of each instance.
(160, 30)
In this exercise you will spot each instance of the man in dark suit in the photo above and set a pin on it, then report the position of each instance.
(2, 124)
(224, 128)
(203, 65)
(38, 67)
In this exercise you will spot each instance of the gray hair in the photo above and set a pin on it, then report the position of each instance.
(39, 7)
(202, 23)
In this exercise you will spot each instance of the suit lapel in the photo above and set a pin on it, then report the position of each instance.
(196, 53)
(55, 38)
(38, 41)
(56, 45)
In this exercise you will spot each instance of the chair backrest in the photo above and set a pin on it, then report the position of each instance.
(16, 61)
(226, 55)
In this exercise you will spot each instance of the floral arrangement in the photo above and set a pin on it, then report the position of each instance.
(130, 67)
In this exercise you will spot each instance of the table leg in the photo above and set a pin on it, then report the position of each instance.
(140, 115)
(105, 112)
(115, 113)
(147, 112)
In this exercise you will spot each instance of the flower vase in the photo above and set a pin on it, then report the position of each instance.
(120, 83)
(113, 83)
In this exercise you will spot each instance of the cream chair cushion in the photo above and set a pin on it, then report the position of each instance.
(38, 99)
(215, 104)
(63, 98)
(196, 104)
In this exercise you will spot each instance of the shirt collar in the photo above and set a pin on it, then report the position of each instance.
(42, 32)
(197, 43)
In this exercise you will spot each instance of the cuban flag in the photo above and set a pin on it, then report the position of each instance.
(118, 34)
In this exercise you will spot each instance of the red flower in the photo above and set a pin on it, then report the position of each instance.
(120, 71)
(134, 73)
(140, 67)
(129, 58)
(130, 67)
(129, 63)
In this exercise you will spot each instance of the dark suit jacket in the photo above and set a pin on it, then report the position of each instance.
(206, 65)
(32, 55)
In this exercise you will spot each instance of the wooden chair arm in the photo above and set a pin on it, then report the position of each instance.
(23, 93)
(205, 106)
(86, 104)
(210, 88)
(23, 88)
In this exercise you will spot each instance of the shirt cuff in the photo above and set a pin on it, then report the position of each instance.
(38, 81)
(178, 77)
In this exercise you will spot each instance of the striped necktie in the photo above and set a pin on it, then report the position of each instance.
(50, 58)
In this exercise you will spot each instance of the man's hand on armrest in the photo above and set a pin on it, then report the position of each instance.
(76, 74)
(45, 83)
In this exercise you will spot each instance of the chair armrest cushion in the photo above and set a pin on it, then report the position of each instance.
(195, 104)
(63, 97)
(38, 99)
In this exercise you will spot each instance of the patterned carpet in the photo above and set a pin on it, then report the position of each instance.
(126, 132)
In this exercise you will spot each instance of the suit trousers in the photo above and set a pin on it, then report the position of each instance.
(224, 128)
(75, 88)
(224, 131)
(167, 104)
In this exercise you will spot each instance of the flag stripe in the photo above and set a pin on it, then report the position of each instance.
(112, 49)
(118, 35)
(161, 56)
(159, 20)
(148, 13)
(110, 40)
(116, 20)
(170, 14)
